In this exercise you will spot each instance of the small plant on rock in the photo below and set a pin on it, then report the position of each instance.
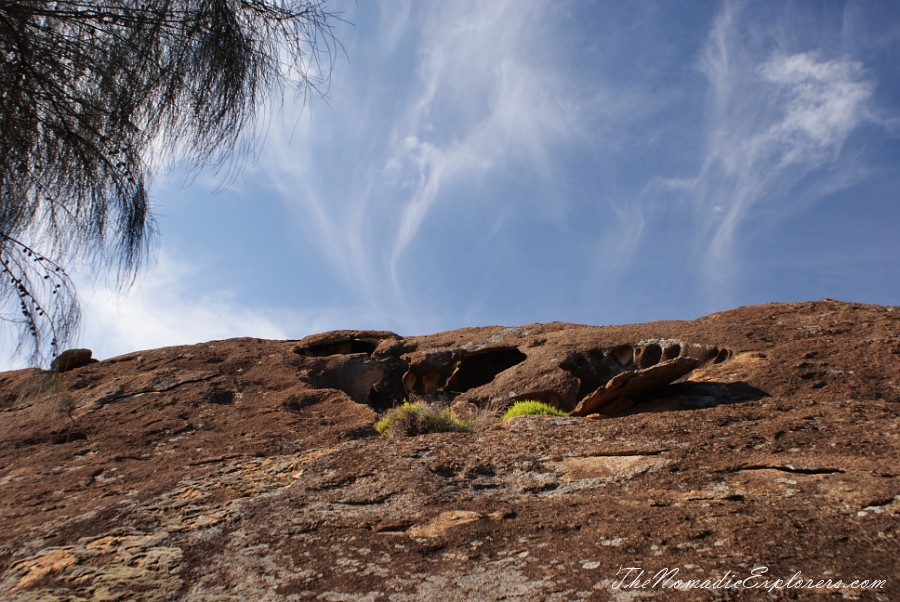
(411, 419)
(531, 408)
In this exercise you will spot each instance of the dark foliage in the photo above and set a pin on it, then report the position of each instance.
(93, 95)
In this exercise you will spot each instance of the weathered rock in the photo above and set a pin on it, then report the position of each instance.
(539, 378)
(490, 373)
(623, 390)
(71, 359)
(241, 469)
(343, 342)
(442, 523)
(354, 374)
(429, 370)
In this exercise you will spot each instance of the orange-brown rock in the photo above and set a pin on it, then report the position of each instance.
(250, 470)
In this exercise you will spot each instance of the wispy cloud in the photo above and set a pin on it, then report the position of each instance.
(772, 119)
(471, 92)
(486, 99)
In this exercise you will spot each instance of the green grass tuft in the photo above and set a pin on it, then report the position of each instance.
(531, 408)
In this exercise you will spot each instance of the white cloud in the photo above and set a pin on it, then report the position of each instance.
(773, 118)
(823, 102)
(168, 307)
(164, 308)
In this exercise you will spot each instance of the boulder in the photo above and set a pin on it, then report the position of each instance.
(71, 359)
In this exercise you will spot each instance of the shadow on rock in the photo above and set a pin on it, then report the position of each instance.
(687, 396)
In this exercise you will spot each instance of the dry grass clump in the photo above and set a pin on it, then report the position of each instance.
(419, 418)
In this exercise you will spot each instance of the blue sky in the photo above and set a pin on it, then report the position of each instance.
(509, 162)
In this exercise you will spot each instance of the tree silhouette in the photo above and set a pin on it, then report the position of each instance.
(96, 95)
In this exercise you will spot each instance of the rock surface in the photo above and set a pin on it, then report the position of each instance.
(765, 436)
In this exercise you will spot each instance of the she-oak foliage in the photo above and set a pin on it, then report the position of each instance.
(95, 93)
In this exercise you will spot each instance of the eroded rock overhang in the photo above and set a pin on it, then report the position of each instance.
(499, 366)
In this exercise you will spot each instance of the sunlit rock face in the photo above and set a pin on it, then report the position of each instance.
(250, 469)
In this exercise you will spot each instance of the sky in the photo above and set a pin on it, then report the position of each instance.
(511, 162)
